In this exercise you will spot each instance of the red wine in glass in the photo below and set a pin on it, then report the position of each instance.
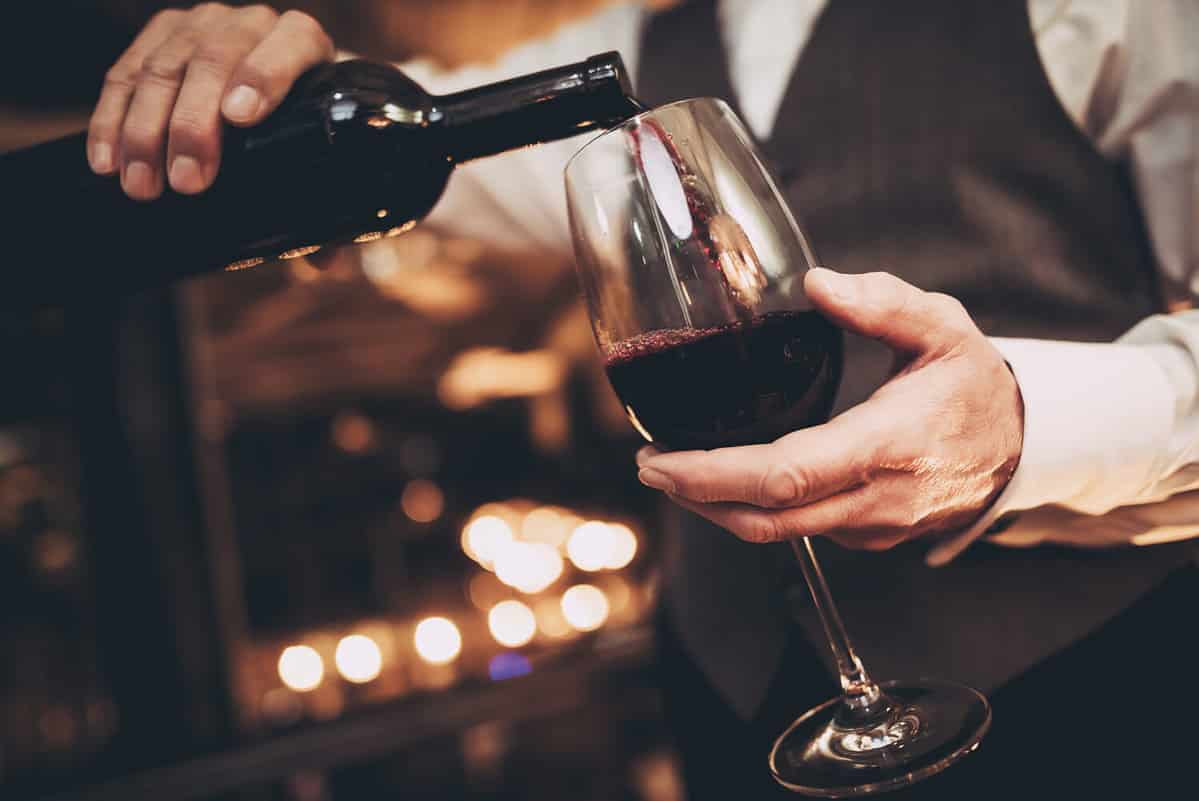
(738, 384)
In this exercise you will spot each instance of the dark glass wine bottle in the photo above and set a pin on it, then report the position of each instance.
(357, 151)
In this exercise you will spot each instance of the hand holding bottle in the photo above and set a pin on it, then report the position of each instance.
(160, 114)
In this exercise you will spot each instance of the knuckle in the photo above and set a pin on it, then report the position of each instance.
(203, 10)
(948, 306)
(140, 139)
(168, 16)
(783, 484)
(259, 14)
(762, 529)
(693, 490)
(192, 133)
(302, 21)
(120, 77)
(99, 128)
(163, 68)
(216, 57)
(253, 72)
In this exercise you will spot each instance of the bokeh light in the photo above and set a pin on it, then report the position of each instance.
(422, 501)
(485, 537)
(512, 623)
(528, 566)
(358, 659)
(549, 525)
(437, 640)
(353, 432)
(590, 546)
(622, 546)
(508, 665)
(301, 668)
(585, 607)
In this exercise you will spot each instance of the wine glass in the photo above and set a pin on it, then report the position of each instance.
(692, 266)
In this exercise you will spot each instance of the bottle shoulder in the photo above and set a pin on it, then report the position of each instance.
(366, 90)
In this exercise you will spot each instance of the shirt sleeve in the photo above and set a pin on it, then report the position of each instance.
(1106, 426)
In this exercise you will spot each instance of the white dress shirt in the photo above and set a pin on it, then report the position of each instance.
(1111, 439)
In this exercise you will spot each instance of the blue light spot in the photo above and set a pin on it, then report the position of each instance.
(508, 665)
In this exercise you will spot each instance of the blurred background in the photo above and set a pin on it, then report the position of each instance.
(358, 531)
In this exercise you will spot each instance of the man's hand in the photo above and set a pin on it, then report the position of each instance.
(160, 113)
(927, 453)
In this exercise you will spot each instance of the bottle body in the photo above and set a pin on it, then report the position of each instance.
(356, 152)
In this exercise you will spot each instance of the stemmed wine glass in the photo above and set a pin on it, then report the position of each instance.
(692, 266)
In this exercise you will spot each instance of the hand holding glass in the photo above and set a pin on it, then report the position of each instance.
(692, 266)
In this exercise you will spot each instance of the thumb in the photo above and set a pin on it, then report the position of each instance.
(882, 307)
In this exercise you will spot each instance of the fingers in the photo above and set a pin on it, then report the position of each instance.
(800, 468)
(194, 149)
(144, 131)
(104, 128)
(262, 80)
(159, 115)
(836, 515)
(882, 307)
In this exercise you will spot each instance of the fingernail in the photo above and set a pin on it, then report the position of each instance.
(102, 157)
(186, 175)
(242, 103)
(138, 180)
(656, 479)
(836, 284)
(645, 454)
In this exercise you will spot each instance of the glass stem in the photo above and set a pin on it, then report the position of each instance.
(858, 690)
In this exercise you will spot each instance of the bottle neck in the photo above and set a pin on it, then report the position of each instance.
(542, 107)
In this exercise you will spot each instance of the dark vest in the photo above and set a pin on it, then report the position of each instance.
(924, 139)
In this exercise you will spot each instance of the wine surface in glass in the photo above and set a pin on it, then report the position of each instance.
(740, 383)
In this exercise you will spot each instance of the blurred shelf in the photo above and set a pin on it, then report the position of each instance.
(618, 659)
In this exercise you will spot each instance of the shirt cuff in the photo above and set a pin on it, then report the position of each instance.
(1096, 419)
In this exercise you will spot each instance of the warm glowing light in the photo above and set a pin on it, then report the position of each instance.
(528, 566)
(585, 607)
(540, 525)
(399, 229)
(301, 668)
(381, 213)
(623, 546)
(437, 640)
(296, 253)
(244, 264)
(511, 623)
(358, 659)
(549, 525)
(422, 501)
(550, 620)
(369, 236)
(485, 537)
(481, 375)
(590, 546)
(353, 432)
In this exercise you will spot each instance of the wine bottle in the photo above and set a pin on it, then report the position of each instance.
(357, 151)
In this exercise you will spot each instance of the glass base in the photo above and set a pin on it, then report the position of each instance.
(913, 731)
